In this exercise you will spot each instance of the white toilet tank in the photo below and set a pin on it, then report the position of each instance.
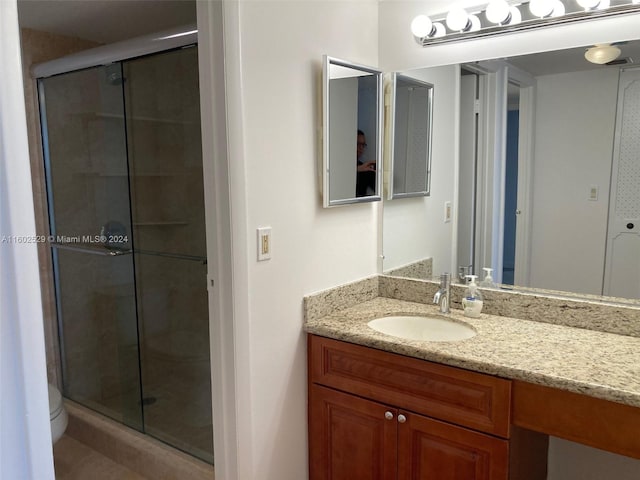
(57, 414)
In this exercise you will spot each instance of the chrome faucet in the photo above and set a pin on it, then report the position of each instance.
(442, 296)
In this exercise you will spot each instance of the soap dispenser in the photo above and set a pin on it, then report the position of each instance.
(488, 279)
(472, 300)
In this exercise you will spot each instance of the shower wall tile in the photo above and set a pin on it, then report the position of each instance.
(39, 47)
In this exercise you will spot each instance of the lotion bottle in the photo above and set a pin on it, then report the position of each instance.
(488, 279)
(472, 300)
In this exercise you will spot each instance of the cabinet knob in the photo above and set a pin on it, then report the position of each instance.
(402, 418)
(388, 415)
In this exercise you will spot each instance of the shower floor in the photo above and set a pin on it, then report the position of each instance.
(142, 454)
(73, 460)
(177, 411)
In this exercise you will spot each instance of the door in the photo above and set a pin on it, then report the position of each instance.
(90, 223)
(511, 185)
(433, 450)
(468, 171)
(349, 437)
(167, 205)
(622, 259)
(126, 199)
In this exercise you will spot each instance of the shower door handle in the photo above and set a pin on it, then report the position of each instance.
(93, 249)
(103, 250)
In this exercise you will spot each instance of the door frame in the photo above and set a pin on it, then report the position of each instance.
(490, 197)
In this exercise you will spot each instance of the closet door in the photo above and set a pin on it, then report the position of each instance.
(622, 262)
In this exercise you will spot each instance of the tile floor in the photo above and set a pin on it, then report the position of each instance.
(100, 445)
(74, 460)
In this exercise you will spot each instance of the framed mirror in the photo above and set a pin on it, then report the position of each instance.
(410, 137)
(352, 133)
(549, 222)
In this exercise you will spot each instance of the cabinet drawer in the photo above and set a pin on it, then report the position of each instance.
(470, 399)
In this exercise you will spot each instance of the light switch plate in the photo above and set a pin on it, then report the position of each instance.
(447, 212)
(264, 243)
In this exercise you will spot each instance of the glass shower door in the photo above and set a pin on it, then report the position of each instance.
(126, 203)
(84, 139)
(167, 202)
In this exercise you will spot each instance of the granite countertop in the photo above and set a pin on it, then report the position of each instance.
(594, 363)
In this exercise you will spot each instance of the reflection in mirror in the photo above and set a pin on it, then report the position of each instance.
(414, 230)
(551, 161)
(410, 162)
(352, 122)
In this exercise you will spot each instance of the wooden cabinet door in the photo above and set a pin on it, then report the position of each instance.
(350, 438)
(432, 450)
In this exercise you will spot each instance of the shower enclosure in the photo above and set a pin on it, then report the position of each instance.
(123, 163)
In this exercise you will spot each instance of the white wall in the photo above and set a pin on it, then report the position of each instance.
(575, 121)
(398, 51)
(25, 434)
(274, 82)
(414, 228)
(572, 461)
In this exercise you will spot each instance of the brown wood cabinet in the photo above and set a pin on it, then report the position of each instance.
(353, 438)
(378, 415)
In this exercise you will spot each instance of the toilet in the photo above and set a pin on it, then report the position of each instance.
(57, 414)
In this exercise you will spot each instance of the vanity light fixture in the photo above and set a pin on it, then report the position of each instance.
(423, 27)
(458, 20)
(588, 4)
(498, 12)
(602, 53)
(505, 16)
(558, 9)
(541, 8)
(516, 16)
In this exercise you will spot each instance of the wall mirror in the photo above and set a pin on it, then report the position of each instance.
(410, 137)
(352, 133)
(548, 182)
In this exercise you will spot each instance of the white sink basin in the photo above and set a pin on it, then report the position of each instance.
(432, 329)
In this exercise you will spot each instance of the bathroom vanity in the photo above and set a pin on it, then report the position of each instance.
(383, 413)
(480, 408)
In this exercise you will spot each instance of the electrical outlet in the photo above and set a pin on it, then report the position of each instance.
(447, 212)
(593, 193)
(264, 243)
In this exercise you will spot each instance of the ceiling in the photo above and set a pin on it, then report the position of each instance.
(569, 60)
(105, 21)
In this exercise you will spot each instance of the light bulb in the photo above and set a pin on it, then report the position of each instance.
(440, 30)
(497, 11)
(604, 4)
(458, 19)
(541, 8)
(588, 4)
(558, 9)
(515, 17)
(602, 53)
(421, 26)
(475, 23)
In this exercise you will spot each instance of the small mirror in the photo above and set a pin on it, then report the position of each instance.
(410, 149)
(352, 143)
